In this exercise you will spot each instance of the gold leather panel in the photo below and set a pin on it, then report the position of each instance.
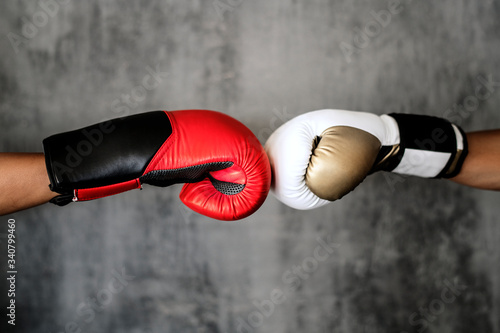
(340, 160)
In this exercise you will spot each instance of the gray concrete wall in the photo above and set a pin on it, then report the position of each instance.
(405, 254)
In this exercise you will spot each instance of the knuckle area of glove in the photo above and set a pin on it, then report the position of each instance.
(340, 161)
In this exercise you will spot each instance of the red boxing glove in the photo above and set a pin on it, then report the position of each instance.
(225, 167)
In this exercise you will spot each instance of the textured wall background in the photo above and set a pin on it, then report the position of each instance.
(397, 255)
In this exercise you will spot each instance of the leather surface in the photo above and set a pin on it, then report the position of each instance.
(290, 149)
(105, 153)
(340, 161)
(430, 147)
(104, 191)
(201, 137)
(162, 148)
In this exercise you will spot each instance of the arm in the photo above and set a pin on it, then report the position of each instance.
(481, 168)
(224, 167)
(320, 156)
(24, 182)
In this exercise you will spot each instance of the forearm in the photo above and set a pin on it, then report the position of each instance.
(481, 168)
(24, 182)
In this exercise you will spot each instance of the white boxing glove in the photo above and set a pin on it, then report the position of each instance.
(322, 155)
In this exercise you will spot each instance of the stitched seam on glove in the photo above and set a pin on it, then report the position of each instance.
(165, 146)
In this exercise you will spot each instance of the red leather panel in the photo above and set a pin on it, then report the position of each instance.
(201, 136)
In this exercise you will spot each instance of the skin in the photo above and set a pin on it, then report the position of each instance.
(25, 183)
(481, 168)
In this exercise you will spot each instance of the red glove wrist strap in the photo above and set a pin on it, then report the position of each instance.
(104, 191)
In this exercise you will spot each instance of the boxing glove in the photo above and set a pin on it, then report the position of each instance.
(320, 156)
(225, 168)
